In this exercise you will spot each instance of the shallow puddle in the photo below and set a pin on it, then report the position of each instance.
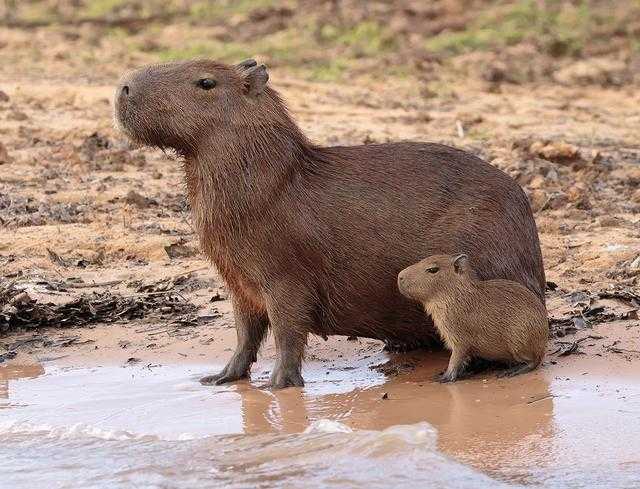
(156, 426)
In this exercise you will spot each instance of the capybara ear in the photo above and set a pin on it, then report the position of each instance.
(255, 80)
(246, 64)
(460, 263)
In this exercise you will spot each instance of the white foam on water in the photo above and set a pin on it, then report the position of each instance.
(82, 430)
(327, 426)
(77, 430)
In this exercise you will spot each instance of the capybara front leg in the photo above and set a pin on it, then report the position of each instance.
(290, 322)
(290, 349)
(251, 329)
(457, 364)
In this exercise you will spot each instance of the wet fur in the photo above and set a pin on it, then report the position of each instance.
(497, 320)
(310, 239)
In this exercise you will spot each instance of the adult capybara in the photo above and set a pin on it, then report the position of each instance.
(491, 319)
(310, 239)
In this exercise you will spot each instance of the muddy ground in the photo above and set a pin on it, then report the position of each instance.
(101, 230)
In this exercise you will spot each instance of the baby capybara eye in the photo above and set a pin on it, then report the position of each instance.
(432, 270)
(206, 83)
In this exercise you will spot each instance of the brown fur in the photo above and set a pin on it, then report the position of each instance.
(493, 319)
(310, 239)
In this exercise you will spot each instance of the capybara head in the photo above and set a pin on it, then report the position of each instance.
(178, 105)
(422, 280)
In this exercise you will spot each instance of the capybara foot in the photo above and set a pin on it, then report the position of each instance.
(281, 378)
(521, 368)
(448, 376)
(221, 378)
(228, 374)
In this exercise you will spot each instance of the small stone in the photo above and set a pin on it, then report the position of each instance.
(385, 396)
(3, 96)
(557, 152)
(610, 222)
(584, 204)
(140, 201)
(579, 196)
(537, 182)
(557, 201)
(539, 200)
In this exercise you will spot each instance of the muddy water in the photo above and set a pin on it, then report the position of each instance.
(155, 426)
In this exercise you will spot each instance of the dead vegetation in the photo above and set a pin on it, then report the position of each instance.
(20, 312)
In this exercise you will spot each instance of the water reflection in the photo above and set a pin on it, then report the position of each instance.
(489, 423)
(530, 429)
(13, 372)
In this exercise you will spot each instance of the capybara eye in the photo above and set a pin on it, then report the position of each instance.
(206, 83)
(432, 270)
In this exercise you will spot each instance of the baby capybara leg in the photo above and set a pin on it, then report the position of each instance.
(457, 364)
(251, 328)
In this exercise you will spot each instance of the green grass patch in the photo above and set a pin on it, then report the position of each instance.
(328, 70)
(101, 8)
(223, 51)
(222, 9)
(366, 38)
(559, 27)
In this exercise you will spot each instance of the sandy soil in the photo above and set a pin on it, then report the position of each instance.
(111, 214)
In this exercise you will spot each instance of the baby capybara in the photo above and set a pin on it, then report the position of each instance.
(310, 239)
(492, 319)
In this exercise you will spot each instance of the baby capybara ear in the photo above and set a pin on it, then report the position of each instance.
(460, 263)
(255, 79)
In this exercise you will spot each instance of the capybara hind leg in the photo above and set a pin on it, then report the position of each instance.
(251, 328)
(457, 365)
(522, 368)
